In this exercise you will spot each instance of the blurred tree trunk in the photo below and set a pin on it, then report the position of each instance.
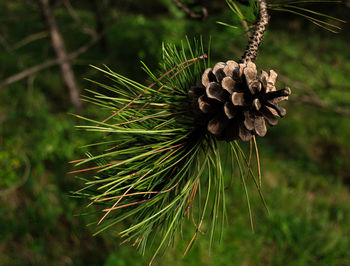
(61, 53)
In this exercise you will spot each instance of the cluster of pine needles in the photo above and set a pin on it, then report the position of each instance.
(299, 7)
(155, 166)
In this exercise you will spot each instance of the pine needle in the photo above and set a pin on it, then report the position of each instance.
(158, 162)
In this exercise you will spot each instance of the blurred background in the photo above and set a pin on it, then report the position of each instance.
(305, 159)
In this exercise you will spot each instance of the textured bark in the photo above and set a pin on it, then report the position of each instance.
(61, 53)
(255, 39)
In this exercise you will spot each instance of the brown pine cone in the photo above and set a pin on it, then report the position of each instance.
(234, 102)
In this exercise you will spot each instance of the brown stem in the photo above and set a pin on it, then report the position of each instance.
(255, 39)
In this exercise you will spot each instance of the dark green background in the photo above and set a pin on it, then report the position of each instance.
(305, 159)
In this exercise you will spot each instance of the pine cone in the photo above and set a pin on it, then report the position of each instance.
(234, 102)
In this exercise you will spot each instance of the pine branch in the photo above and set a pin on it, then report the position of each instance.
(251, 51)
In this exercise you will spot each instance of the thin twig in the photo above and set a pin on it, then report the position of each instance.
(49, 63)
(30, 38)
(189, 12)
(193, 238)
(74, 15)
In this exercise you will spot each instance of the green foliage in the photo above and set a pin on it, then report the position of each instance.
(241, 13)
(156, 157)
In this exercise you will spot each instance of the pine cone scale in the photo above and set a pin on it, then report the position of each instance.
(228, 84)
(217, 125)
(215, 91)
(269, 116)
(229, 110)
(260, 126)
